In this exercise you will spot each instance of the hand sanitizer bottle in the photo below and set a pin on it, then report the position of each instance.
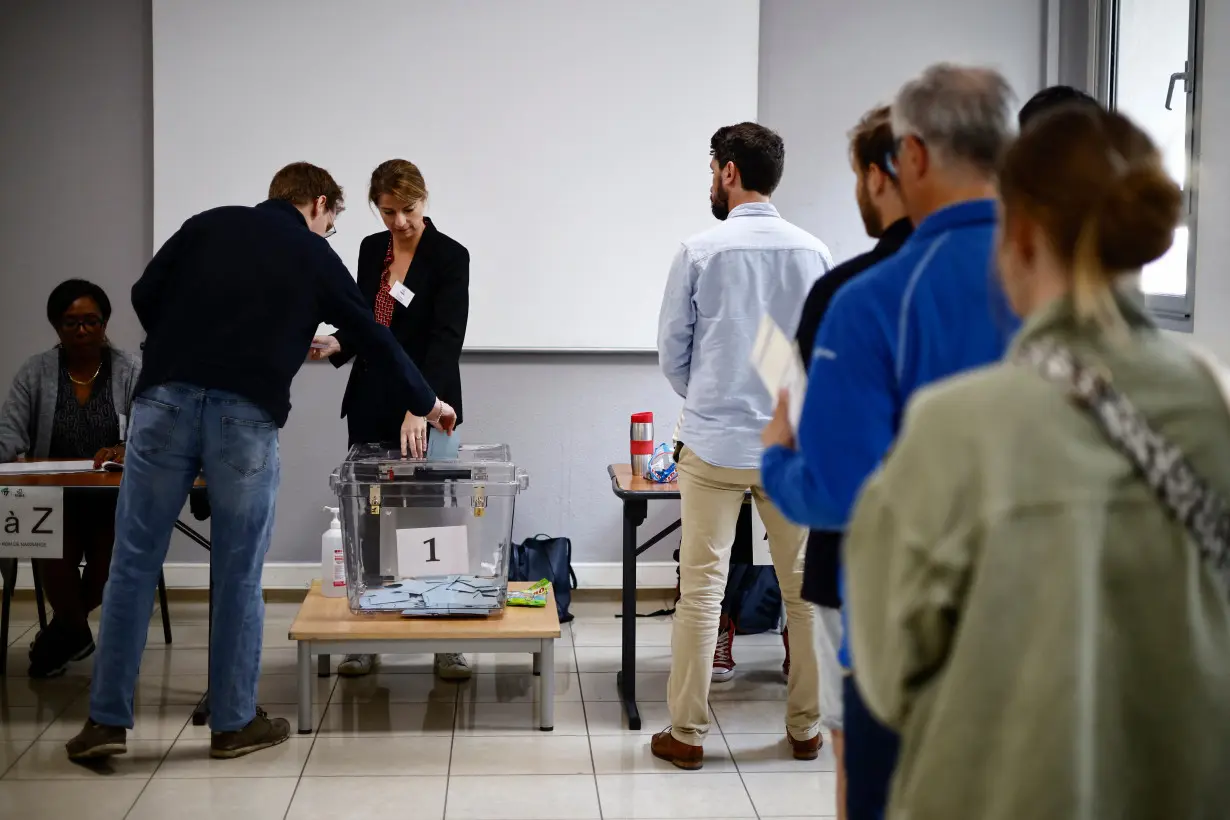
(332, 559)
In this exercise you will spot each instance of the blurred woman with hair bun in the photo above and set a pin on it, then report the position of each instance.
(1037, 574)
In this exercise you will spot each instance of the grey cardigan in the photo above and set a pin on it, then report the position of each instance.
(28, 414)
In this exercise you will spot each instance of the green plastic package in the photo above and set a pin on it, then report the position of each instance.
(534, 595)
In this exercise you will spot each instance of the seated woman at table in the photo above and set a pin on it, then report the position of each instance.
(417, 281)
(72, 402)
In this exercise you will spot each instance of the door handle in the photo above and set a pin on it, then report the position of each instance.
(1183, 75)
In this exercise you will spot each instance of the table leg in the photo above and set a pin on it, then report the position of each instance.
(322, 666)
(40, 602)
(546, 684)
(305, 686)
(200, 715)
(537, 656)
(8, 569)
(634, 515)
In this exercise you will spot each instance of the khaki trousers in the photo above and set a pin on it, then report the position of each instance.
(711, 499)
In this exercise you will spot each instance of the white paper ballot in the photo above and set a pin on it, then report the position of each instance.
(780, 367)
(46, 467)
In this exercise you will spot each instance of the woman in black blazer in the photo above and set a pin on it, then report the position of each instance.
(417, 281)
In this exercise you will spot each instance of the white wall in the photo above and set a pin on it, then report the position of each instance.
(76, 75)
(528, 118)
(824, 64)
(74, 163)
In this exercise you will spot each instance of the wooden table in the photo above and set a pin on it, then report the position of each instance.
(102, 482)
(326, 625)
(635, 492)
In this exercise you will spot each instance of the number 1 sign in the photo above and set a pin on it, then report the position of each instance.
(424, 551)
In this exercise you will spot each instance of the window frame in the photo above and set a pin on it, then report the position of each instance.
(1171, 312)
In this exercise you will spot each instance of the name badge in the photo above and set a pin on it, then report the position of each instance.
(401, 293)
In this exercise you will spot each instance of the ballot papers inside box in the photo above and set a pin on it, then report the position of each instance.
(426, 538)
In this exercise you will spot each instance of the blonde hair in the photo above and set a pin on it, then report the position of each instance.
(400, 179)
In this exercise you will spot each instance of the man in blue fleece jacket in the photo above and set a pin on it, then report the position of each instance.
(928, 312)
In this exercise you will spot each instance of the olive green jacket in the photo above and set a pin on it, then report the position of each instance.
(1025, 612)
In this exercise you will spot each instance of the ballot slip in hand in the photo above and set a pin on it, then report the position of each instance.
(780, 367)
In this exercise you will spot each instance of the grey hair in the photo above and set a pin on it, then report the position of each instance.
(963, 114)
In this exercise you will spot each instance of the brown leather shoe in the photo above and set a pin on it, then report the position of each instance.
(683, 755)
(805, 749)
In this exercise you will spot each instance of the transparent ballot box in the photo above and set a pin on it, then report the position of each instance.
(427, 538)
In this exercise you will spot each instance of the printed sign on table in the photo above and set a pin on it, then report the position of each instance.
(761, 556)
(424, 551)
(31, 522)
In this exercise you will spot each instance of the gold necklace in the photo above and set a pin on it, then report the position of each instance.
(88, 381)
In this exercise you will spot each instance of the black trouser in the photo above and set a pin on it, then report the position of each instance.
(89, 534)
(871, 756)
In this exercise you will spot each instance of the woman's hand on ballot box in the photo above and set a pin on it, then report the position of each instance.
(414, 436)
(443, 417)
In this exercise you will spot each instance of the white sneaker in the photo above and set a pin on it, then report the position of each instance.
(356, 666)
(452, 666)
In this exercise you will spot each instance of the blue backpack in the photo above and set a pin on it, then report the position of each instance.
(545, 557)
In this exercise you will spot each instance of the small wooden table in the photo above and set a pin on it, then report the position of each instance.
(326, 625)
(636, 492)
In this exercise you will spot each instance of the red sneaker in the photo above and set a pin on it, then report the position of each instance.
(723, 657)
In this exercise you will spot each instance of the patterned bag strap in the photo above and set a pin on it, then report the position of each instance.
(1185, 494)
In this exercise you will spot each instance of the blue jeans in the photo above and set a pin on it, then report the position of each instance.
(178, 431)
(871, 757)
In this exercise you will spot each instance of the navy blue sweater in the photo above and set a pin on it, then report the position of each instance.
(232, 300)
(929, 312)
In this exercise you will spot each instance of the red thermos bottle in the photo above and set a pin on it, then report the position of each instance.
(641, 449)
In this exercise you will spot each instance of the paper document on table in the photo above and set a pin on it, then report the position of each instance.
(46, 467)
(780, 367)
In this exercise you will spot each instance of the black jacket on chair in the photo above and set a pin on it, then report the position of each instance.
(431, 329)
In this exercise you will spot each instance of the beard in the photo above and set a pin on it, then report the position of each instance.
(719, 203)
(873, 223)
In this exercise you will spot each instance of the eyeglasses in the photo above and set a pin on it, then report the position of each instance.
(890, 161)
(338, 210)
(71, 323)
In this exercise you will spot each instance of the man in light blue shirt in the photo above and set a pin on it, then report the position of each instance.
(721, 284)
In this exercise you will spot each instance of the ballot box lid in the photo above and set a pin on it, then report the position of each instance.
(477, 465)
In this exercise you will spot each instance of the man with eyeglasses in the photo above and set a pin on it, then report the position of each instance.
(930, 311)
(229, 305)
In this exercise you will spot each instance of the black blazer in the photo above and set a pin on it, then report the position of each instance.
(432, 328)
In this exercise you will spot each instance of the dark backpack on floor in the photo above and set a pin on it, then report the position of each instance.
(545, 557)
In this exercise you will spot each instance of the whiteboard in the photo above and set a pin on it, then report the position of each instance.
(565, 143)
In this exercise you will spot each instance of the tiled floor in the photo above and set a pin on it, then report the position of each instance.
(402, 741)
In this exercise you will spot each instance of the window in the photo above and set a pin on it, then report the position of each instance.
(1148, 68)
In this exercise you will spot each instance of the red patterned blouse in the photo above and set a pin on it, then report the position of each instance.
(384, 299)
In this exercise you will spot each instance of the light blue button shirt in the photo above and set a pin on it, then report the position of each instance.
(721, 284)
